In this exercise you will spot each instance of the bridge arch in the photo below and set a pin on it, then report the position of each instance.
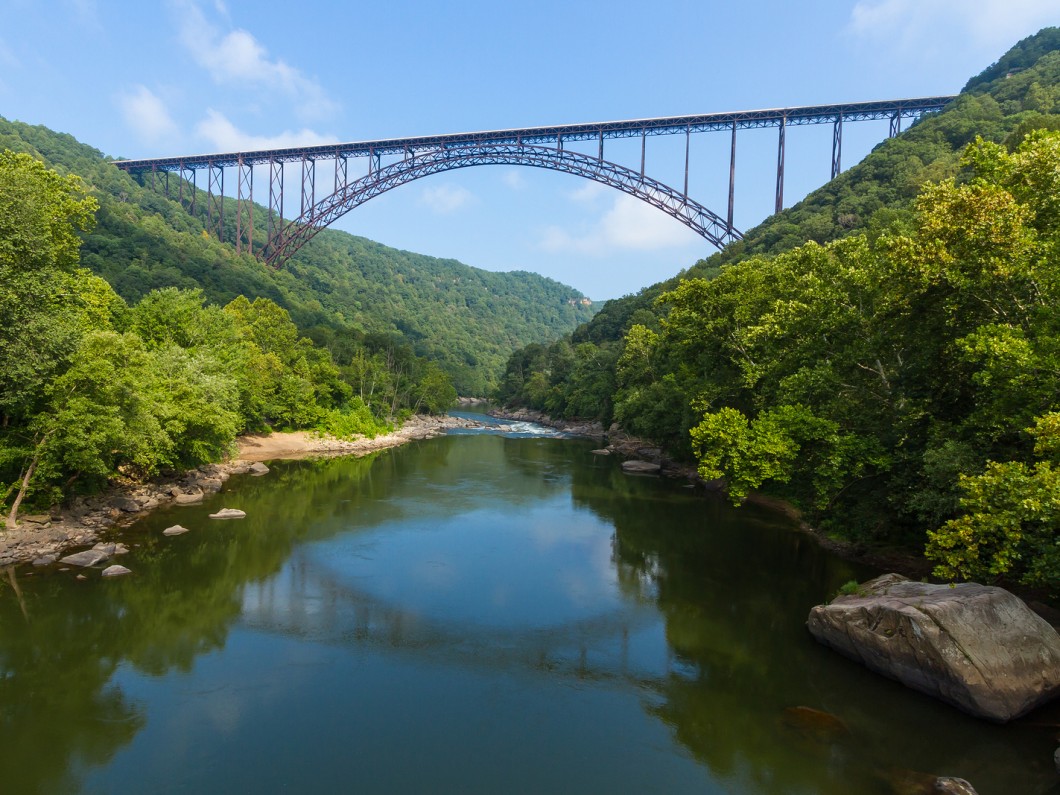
(295, 234)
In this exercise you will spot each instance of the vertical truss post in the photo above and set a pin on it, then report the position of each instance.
(896, 124)
(215, 206)
(600, 154)
(643, 144)
(559, 142)
(165, 178)
(180, 184)
(837, 146)
(309, 188)
(732, 175)
(341, 172)
(244, 205)
(780, 164)
(275, 219)
(194, 188)
(688, 142)
(154, 171)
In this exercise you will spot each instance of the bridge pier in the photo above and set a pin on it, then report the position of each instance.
(780, 164)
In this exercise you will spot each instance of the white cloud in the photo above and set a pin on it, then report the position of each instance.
(237, 58)
(223, 136)
(148, 116)
(514, 180)
(588, 192)
(629, 224)
(988, 23)
(446, 198)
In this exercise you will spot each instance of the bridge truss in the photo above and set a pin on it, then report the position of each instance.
(408, 159)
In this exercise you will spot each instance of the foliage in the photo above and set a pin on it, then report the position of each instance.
(94, 389)
(338, 290)
(875, 353)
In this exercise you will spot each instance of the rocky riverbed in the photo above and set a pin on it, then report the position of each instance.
(42, 538)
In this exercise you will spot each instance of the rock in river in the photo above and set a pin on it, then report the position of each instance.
(90, 557)
(115, 571)
(640, 467)
(228, 513)
(175, 530)
(976, 647)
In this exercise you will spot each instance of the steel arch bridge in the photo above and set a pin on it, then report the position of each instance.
(539, 147)
(296, 233)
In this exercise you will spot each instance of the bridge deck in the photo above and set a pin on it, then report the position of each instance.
(558, 134)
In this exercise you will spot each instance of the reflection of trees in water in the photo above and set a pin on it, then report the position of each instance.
(739, 655)
(57, 712)
(734, 588)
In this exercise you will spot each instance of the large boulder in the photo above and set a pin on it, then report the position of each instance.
(974, 646)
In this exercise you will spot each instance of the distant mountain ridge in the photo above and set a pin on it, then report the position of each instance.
(466, 319)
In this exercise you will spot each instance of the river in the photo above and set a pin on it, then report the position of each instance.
(476, 613)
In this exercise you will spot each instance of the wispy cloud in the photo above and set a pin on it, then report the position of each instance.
(588, 192)
(446, 198)
(222, 135)
(629, 224)
(988, 23)
(236, 57)
(147, 116)
(514, 180)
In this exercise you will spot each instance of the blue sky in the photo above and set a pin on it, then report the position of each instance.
(142, 79)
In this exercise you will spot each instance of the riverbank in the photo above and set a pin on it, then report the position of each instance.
(621, 444)
(42, 538)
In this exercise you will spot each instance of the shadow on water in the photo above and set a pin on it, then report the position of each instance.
(696, 611)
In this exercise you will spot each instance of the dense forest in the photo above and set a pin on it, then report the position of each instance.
(885, 354)
(95, 388)
(341, 291)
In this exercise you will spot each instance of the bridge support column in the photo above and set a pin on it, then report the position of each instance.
(275, 219)
(688, 145)
(309, 187)
(837, 146)
(341, 172)
(896, 124)
(215, 205)
(732, 175)
(780, 165)
(244, 205)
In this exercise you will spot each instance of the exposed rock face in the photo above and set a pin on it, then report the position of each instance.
(976, 647)
(258, 468)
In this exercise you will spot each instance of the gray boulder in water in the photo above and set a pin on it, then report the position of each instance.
(974, 646)
(228, 513)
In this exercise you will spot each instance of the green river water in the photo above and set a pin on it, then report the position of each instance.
(469, 614)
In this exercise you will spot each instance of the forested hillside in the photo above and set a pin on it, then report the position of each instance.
(338, 289)
(883, 354)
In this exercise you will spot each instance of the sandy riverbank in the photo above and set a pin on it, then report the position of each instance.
(42, 538)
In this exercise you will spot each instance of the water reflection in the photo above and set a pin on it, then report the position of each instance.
(522, 595)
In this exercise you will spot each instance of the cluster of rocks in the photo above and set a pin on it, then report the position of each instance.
(80, 524)
(40, 539)
(574, 427)
(642, 457)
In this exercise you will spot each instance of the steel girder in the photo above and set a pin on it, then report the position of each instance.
(298, 232)
(893, 110)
